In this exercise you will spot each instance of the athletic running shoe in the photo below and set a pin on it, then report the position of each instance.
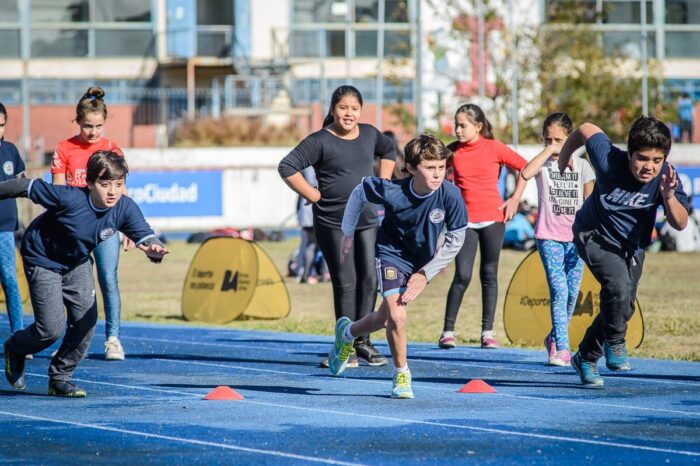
(338, 357)
(402, 385)
(447, 340)
(14, 368)
(488, 341)
(366, 351)
(560, 358)
(66, 389)
(352, 362)
(113, 349)
(550, 346)
(616, 357)
(587, 371)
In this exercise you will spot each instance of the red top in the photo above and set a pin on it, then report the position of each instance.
(476, 168)
(72, 155)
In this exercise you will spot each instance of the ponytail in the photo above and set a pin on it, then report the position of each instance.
(476, 115)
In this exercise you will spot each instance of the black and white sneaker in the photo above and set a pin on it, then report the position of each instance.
(14, 368)
(66, 389)
(367, 352)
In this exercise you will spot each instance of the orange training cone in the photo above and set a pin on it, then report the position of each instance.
(223, 393)
(477, 386)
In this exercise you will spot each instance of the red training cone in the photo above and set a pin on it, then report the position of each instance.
(223, 393)
(476, 386)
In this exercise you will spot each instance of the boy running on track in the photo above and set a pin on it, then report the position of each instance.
(56, 251)
(407, 254)
(614, 226)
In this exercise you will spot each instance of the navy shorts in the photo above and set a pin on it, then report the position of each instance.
(390, 278)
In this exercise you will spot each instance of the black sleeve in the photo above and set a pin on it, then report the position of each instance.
(307, 153)
(384, 147)
(19, 187)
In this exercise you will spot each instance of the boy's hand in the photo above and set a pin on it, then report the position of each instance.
(345, 247)
(414, 287)
(155, 253)
(510, 208)
(669, 183)
(127, 244)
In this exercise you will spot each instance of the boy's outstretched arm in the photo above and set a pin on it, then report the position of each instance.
(18, 187)
(154, 249)
(676, 213)
(353, 210)
(575, 140)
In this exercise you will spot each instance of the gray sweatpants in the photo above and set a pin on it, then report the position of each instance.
(50, 292)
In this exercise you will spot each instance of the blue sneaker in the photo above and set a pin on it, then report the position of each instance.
(338, 357)
(616, 357)
(402, 385)
(587, 371)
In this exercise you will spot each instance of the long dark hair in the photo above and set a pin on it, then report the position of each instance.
(559, 119)
(476, 115)
(91, 102)
(338, 94)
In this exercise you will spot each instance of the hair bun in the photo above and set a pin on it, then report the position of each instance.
(95, 91)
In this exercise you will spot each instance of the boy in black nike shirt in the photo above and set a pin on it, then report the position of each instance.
(614, 226)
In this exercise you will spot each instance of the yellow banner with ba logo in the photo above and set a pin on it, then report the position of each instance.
(232, 278)
(527, 317)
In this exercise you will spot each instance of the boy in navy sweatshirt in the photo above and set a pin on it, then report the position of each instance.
(56, 251)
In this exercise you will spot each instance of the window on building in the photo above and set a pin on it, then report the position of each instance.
(366, 11)
(397, 44)
(626, 12)
(319, 11)
(629, 44)
(682, 11)
(9, 38)
(366, 43)
(59, 11)
(127, 11)
(396, 11)
(683, 44)
(113, 43)
(52, 43)
(214, 44)
(10, 11)
(215, 12)
(304, 44)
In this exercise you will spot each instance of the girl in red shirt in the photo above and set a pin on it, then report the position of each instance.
(69, 166)
(476, 166)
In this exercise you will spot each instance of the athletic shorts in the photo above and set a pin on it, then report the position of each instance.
(391, 279)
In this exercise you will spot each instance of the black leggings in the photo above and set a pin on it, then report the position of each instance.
(490, 241)
(355, 280)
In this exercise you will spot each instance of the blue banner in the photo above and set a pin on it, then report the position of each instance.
(177, 193)
(690, 177)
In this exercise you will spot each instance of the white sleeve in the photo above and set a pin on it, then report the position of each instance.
(353, 209)
(453, 243)
(587, 173)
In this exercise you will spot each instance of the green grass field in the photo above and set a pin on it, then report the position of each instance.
(668, 295)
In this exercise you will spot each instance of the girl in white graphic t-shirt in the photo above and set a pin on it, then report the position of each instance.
(560, 196)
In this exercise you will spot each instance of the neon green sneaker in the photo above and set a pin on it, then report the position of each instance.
(402, 385)
(338, 357)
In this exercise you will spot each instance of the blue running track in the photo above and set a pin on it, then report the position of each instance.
(150, 408)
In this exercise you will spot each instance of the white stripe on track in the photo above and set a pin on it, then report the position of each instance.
(370, 416)
(225, 446)
(431, 387)
(410, 358)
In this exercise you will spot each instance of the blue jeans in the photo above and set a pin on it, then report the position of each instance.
(107, 262)
(8, 278)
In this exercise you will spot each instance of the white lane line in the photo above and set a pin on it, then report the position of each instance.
(225, 446)
(412, 358)
(451, 390)
(377, 417)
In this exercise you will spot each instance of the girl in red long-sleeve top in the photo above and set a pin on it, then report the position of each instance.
(476, 166)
